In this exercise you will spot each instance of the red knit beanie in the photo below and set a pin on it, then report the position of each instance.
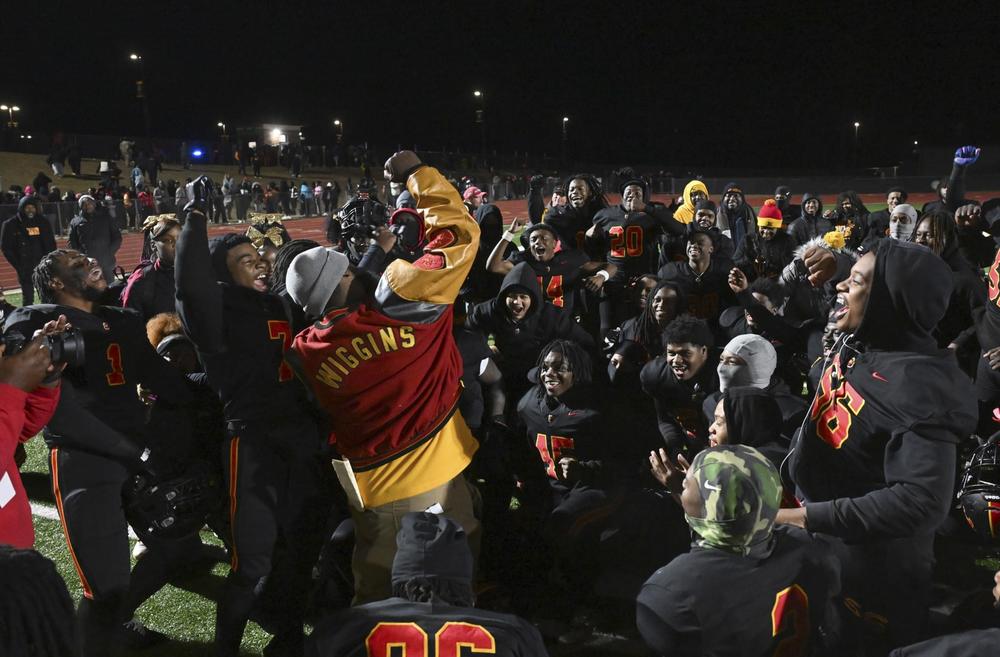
(769, 215)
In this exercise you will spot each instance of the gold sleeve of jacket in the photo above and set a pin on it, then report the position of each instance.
(452, 242)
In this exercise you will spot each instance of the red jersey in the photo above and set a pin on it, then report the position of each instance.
(389, 373)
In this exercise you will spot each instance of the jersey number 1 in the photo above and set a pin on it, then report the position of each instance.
(116, 377)
(411, 640)
(279, 330)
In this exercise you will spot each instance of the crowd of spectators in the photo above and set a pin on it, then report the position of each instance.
(720, 428)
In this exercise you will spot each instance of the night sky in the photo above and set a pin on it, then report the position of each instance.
(739, 84)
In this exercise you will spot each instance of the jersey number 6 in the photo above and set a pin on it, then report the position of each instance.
(790, 621)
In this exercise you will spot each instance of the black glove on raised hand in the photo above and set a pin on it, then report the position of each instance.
(537, 182)
(199, 194)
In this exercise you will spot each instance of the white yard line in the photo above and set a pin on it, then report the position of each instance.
(50, 513)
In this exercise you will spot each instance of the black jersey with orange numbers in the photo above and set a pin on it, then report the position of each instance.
(989, 325)
(250, 375)
(399, 627)
(628, 239)
(678, 403)
(710, 602)
(241, 336)
(117, 358)
(570, 224)
(869, 429)
(559, 278)
(571, 426)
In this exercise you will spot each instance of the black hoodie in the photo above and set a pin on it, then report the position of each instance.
(24, 241)
(519, 342)
(876, 457)
(753, 418)
(807, 226)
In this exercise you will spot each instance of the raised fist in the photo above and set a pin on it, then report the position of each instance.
(399, 167)
(968, 215)
(199, 191)
(966, 155)
(537, 182)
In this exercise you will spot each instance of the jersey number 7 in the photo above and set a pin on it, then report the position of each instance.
(280, 330)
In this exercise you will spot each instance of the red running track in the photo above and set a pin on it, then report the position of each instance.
(314, 228)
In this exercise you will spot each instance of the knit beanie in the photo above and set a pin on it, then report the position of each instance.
(706, 204)
(759, 356)
(769, 215)
(313, 276)
(83, 199)
(431, 545)
(219, 248)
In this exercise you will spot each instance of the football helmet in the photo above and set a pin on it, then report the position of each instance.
(172, 507)
(979, 493)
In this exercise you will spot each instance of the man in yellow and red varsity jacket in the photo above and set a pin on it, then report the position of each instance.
(387, 371)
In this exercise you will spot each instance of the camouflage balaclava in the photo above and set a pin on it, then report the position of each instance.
(740, 493)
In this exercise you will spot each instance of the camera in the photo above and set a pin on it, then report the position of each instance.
(360, 220)
(801, 271)
(66, 347)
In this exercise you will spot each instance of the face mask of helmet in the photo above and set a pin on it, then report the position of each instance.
(979, 494)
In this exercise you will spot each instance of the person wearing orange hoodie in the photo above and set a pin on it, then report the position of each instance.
(694, 191)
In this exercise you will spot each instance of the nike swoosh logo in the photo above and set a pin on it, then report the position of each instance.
(876, 375)
(711, 487)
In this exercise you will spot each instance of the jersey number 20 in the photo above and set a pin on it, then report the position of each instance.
(410, 640)
(626, 241)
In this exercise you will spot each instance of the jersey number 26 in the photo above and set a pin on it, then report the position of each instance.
(411, 640)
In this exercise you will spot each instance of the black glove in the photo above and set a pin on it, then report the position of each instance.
(199, 193)
(537, 182)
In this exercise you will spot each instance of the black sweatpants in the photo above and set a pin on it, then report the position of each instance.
(88, 494)
(275, 487)
(27, 288)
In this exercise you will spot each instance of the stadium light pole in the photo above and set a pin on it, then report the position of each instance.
(10, 109)
(481, 119)
(140, 92)
(854, 159)
(565, 137)
(223, 126)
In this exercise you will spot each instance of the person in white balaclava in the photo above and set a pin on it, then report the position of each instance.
(902, 222)
(750, 360)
